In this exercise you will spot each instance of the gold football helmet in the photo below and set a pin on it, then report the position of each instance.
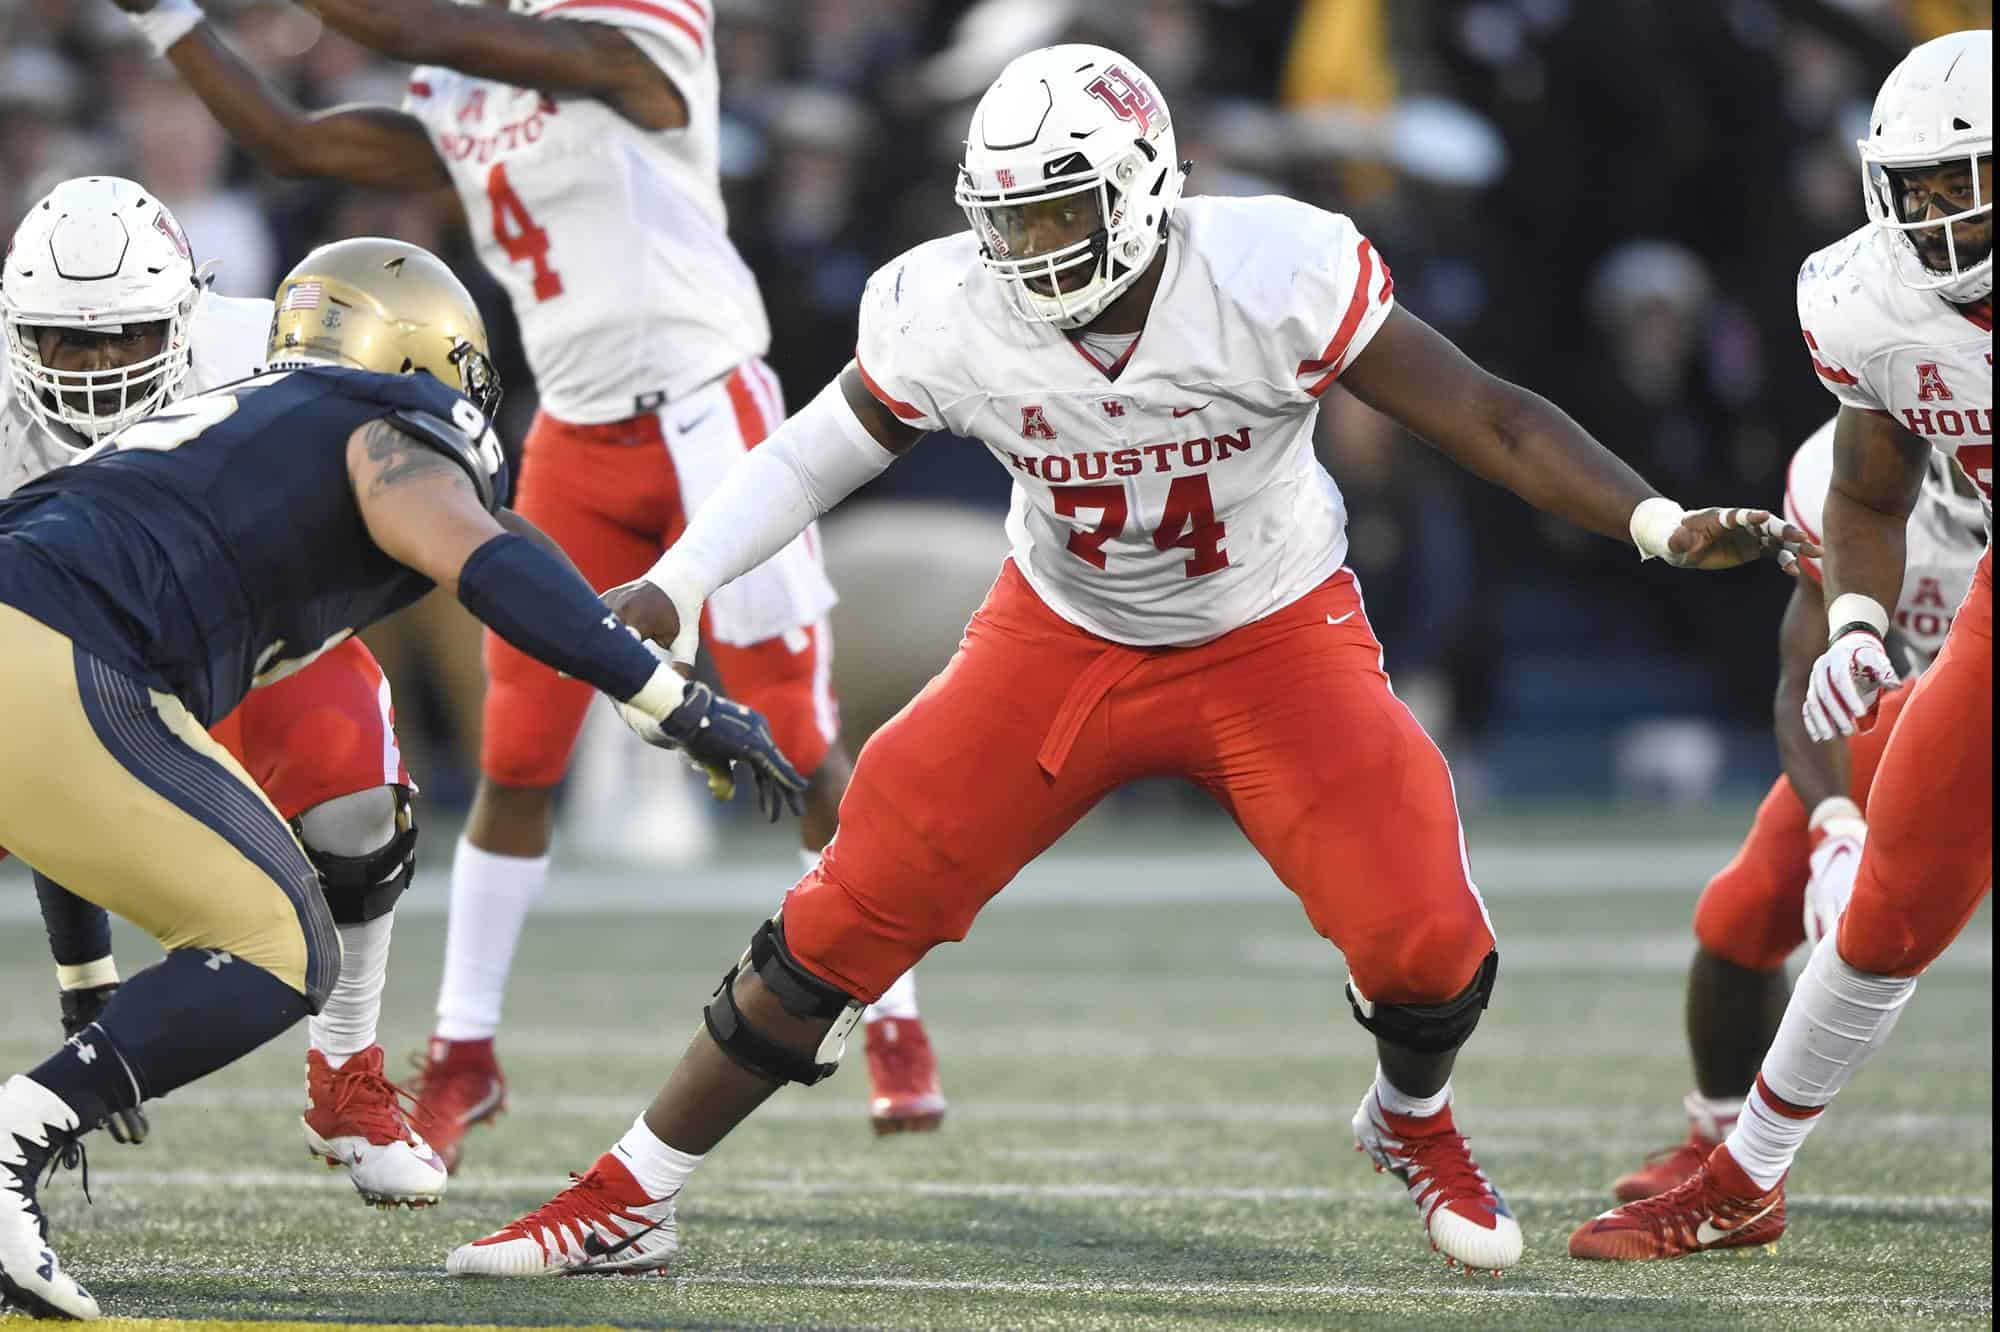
(387, 306)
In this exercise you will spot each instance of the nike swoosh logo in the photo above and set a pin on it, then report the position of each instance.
(594, 1245)
(1708, 1233)
(1342, 620)
(1179, 412)
(685, 426)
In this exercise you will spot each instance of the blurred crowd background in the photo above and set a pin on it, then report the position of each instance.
(1604, 200)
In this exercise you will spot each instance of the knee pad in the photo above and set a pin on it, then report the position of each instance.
(1428, 1028)
(361, 884)
(803, 995)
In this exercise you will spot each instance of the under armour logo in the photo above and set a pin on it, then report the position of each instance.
(85, 1052)
(47, 1270)
(217, 959)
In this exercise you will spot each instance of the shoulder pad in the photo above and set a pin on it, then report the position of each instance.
(466, 439)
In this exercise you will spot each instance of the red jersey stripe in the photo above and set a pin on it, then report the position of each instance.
(651, 9)
(883, 396)
(1831, 374)
(750, 424)
(1357, 306)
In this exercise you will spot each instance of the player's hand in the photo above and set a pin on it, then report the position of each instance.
(80, 1008)
(1836, 855)
(654, 616)
(717, 733)
(1725, 538)
(1846, 685)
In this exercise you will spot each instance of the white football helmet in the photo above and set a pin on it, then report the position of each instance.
(1070, 175)
(99, 254)
(1934, 109)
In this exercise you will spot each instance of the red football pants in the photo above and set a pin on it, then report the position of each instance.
(1928, 860)
(1288, 722)
(319, 734)
(608, 495)
(1753, 912)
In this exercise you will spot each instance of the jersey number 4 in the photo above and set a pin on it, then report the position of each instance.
(518, 235)
(1188, 523)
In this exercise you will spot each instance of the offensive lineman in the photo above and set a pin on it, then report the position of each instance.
(226, 542)
(582, 138)
(1791, 879)
(106, 321)
(1149, 370)
(1898, 320)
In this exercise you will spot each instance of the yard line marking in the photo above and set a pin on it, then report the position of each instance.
(499, 1185)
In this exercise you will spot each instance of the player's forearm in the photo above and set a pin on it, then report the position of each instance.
(1817, 772)
(1864, 557)
(522, 593)
(812, 462)
(1524, 442)
(268, 125)
(485, 43)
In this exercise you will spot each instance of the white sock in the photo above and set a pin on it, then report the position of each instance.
(1399, 1103)
(490, 900)
(898, 1001)
(1713, 1116)
(346, 1026)
(1837, 1019)
(661, 1170)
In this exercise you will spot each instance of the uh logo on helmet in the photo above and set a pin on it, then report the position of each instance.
(1069, 178)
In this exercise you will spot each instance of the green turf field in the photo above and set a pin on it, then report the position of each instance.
(1148, 1129)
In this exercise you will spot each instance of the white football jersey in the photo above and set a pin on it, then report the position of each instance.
(1947, 535)
(1175, 496)
(610, 240)
(227, 335)
(1880, 346)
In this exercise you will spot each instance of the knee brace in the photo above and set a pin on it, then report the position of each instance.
(361, 885)
(1428, 1028)
(803, 994)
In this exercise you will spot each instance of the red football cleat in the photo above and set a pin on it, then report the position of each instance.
(603, 1222)
(1707, 1127)
(902, 1076)
(1464, 1216)
(458, 1084)
(354, 1118)
(1664, 1169)
(1720, 1208)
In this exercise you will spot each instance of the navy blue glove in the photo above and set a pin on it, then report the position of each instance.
(716, 733)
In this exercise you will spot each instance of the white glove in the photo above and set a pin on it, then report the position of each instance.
(1846, 683)
(1838, 832)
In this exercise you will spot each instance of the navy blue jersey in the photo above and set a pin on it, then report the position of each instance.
(218, 544)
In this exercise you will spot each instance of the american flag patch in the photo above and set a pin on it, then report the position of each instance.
(305, 296)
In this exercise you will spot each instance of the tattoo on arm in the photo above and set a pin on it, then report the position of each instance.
(395, 459)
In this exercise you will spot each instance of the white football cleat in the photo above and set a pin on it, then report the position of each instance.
(354, 1119)
(603, 1222)
(1465, 1216)
(35, 1127)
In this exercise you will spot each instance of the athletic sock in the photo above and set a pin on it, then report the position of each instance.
(1837, 1019)
(178, 1020)
(660, 1170)
(346, 1025)
(1712, 1116)
(1415, 1107)
(491, 896)
(898, 1001)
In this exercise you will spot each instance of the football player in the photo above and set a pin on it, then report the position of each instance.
(107, 320)
(1792, 877)
(1898, 320)
(582, 138)
(1148, 370)
(225, 544)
